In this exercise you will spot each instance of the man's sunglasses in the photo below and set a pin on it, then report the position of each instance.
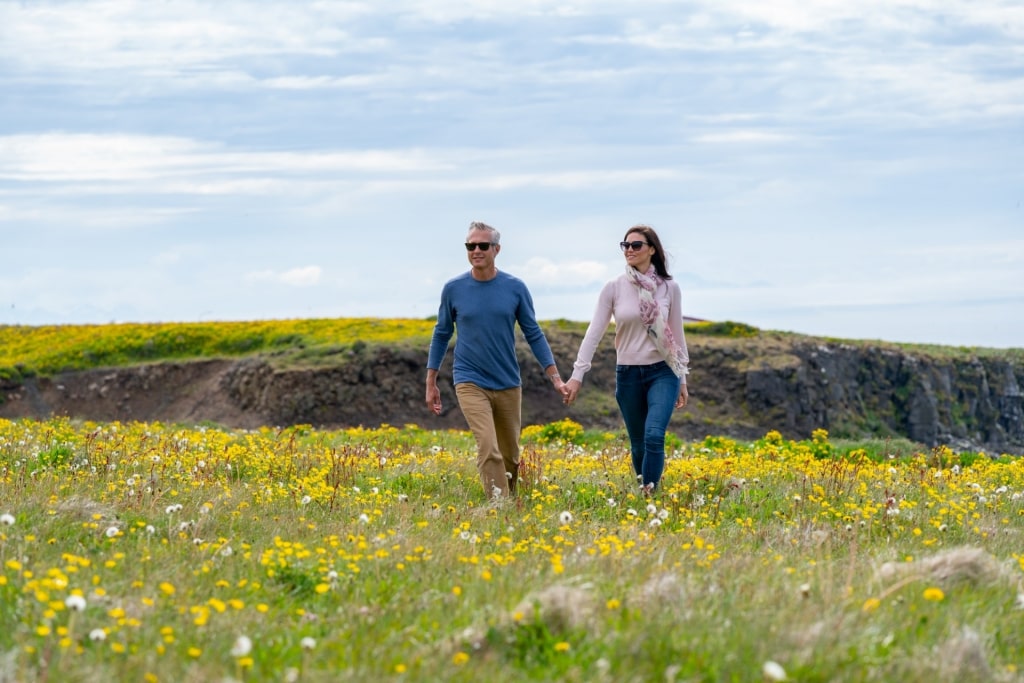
(635, 246)
(482, 246)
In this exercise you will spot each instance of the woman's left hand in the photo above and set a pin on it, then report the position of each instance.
(684, 396)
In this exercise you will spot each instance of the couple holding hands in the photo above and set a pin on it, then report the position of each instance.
(485, 305)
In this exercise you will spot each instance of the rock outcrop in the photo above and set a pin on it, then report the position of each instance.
(739, 387)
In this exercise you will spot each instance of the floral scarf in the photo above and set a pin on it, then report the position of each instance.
(654, 320)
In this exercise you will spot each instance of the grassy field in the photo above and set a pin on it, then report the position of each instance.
(151, 552)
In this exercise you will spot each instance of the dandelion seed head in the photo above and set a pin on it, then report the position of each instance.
(306, 500)
(242, 647)
(612, 502)
(565, 517)
(652, 508)
(773, 671)
(7, 519)
(97, 634)
(112, 531)
(307, 643)
(364, 518)
(75, 603)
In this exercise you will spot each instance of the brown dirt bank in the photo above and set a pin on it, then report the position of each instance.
(739, 387)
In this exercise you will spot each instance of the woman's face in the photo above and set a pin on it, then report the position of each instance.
(638, 258)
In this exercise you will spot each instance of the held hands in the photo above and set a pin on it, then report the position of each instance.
(556, 379)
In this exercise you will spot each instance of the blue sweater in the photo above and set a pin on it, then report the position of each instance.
(485, 314)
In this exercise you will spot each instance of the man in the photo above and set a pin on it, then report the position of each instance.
(485, 305)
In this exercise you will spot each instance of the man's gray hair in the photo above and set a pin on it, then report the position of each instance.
(495, 235)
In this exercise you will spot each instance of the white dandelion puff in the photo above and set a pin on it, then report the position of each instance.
(631, 512)
(565, 517)
(75, 603)
(652, 508)
(655, 522)
(7, 519)
(97, 634)
(307, 643)
(612, 502)
(663, 514)
(402, 498)
(1020, 601)
(364, 518)
(150, 529)
(306, 500)
(773, 671)
(242, 646)
(465, 535)
(112, 531)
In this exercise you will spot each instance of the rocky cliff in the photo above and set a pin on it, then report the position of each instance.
(739, 387)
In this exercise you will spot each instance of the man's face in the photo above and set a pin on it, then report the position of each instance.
(478, 258)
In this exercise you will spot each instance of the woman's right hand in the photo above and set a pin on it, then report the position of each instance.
(572, 388)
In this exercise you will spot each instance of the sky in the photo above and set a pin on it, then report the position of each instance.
(835, 168)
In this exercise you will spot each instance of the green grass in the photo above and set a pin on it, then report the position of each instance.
(372, 555)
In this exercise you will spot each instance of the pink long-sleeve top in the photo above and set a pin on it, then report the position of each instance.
(633, 346)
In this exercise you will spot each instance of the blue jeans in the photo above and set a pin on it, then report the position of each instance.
(647, 396)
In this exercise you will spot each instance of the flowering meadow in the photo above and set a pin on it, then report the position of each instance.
(155, 552)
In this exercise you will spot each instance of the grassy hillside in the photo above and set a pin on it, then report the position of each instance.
(27, 351)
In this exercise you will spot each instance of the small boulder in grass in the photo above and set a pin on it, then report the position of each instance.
(963, 565)
(561, 608)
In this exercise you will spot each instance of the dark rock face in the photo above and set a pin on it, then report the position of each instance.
(739, 387)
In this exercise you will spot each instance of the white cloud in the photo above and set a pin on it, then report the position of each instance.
(306, 276)
(745, 137)
(544, 272)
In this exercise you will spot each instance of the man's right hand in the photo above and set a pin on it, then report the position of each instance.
(434, 399)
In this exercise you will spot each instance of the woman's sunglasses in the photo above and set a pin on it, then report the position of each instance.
(635, 246)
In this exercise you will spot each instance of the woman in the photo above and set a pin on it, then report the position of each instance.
(650, 350)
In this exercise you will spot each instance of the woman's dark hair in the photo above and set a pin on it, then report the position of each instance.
(658, 259)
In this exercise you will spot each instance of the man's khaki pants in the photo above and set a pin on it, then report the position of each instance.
(495, 419)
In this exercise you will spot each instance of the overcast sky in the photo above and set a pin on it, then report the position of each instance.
(849, 169)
